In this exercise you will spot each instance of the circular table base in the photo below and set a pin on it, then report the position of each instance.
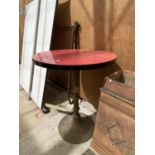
(76, 131)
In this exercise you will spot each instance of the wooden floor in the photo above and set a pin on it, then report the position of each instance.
(39, 133)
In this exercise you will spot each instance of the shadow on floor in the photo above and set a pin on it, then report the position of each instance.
(54, 94)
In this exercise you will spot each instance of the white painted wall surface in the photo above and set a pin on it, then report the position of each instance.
(45, 27)
(28, 44)
(46, 20)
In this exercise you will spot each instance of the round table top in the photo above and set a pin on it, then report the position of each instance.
(78, 59)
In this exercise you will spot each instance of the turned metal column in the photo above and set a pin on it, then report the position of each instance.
(76, 89)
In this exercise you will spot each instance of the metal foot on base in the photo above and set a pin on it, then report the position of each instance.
(45, 109)
(76, 131)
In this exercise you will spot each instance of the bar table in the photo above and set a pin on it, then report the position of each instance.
(76, 128)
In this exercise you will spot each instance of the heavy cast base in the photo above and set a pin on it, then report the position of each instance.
(76, 131)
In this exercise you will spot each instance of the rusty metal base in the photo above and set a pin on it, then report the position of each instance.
(76, 131)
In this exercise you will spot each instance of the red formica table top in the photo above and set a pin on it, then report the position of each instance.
(73, 59)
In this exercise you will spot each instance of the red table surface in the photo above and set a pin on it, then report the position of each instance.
(73, 58)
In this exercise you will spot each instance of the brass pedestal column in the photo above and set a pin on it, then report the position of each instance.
(76, 128)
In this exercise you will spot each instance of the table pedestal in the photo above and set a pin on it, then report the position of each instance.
(76, 128)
